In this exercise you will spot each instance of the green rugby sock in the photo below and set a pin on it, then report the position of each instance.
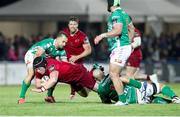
(134, 83)
(167, 91)
(24, 89)
(122, 98)
(50, 92)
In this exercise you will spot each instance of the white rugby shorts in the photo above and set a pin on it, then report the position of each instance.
(120, 55)
(28, 59)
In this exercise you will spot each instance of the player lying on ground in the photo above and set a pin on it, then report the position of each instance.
(146, 94)
(48, 47)
(75, 75)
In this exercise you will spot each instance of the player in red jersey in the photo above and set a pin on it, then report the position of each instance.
(78, 45)
(74, 74)
(135, 59)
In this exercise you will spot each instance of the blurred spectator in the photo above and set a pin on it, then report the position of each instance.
(166, 47)
(3, 47)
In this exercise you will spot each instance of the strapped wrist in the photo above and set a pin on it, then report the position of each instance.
(43, 89)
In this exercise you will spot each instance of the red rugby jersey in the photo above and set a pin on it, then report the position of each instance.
(74, 45)
(69, 73)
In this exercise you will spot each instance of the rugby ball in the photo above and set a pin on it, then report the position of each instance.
(45, 78)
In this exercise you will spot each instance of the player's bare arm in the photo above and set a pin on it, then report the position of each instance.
(131, 30)
(117, 29)
(38, 83)
(86, 52)
(50, 83)
(63, 58)
(39, 52)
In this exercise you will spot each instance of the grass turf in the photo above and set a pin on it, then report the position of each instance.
(90, 106)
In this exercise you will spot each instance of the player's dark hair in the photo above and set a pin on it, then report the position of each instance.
(73, 18)
(111, 3)
(39, 62)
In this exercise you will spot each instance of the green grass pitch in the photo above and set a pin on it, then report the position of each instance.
(90, 106)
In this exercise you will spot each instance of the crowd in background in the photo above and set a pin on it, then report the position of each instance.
(166, 47)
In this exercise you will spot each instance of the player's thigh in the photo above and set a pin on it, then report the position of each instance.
(80, 89)
(28, 59)
(83, 92)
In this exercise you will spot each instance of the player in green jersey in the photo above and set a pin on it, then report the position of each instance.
(119, 44)
(49, 48)
(133, 95)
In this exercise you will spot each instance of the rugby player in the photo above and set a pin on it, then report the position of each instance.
(77, 46)
(120, 46)
(133, 95)
(74, 74)
(49, 48)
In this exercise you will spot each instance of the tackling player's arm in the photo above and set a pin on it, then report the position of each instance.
(61, 56)
(64, 59)
(39, 52)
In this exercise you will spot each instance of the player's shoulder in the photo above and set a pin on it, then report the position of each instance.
(48, 40)
(81, 33)
(119, 12)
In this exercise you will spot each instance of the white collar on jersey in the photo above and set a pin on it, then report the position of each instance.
(116, 9)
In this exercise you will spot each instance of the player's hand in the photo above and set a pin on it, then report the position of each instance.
(73, 58)
(97, 39)
(37, 90)
(72, 97)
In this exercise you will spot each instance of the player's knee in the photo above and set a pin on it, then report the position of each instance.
(29, 78)
(83, 93)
